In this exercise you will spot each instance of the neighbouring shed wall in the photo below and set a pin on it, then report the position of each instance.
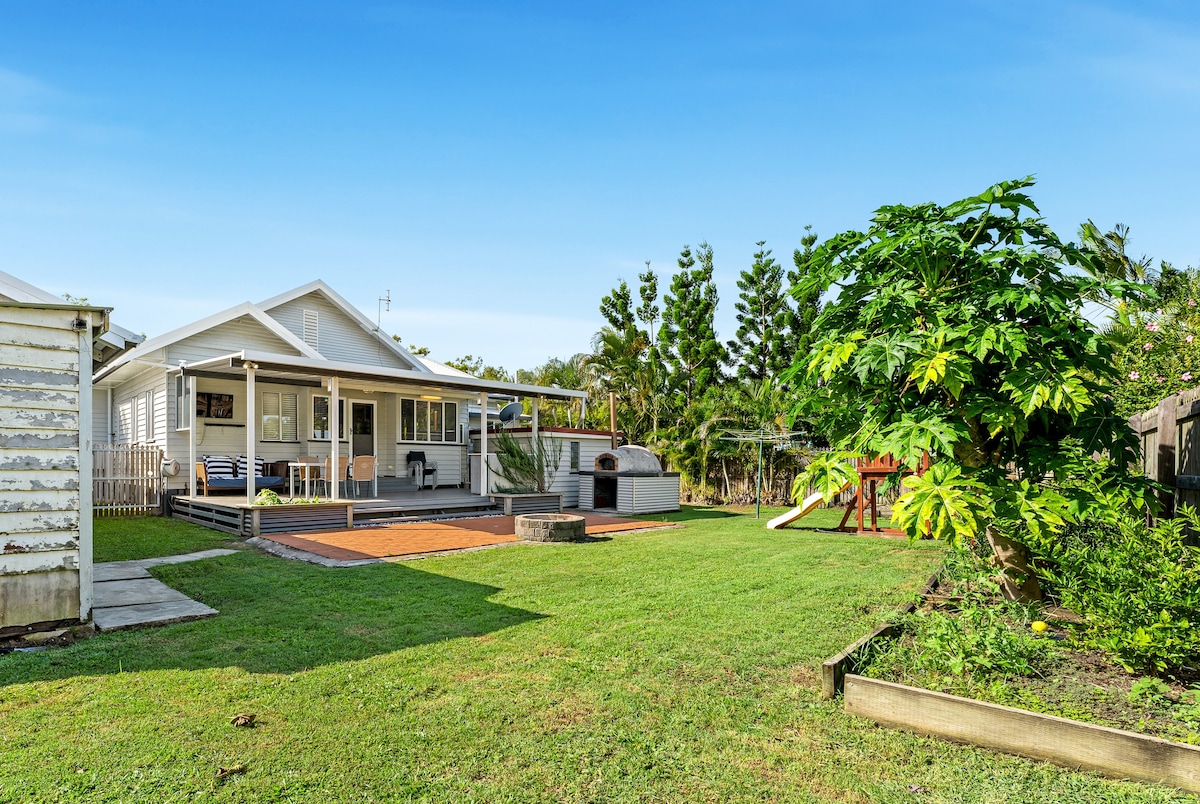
(45, 450)
(566, 479)
(338, 336)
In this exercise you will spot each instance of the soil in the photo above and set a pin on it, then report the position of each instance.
(1077, 683)
(41, 640)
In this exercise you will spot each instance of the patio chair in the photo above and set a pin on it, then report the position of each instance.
(363, 471)
(308, 471)
(326, 475)
(419, 469)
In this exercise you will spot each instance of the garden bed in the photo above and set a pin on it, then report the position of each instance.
(1016, 679)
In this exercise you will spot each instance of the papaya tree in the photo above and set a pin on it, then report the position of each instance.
(957, 331)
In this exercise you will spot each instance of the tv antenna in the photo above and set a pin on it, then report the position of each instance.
(386, 298)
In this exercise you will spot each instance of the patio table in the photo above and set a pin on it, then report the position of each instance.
(294, 468)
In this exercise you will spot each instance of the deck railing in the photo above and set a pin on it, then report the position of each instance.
(127, 480)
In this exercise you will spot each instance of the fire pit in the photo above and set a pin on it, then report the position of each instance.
(550, 527)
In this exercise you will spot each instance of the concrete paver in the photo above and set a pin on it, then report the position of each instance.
(118, 617)
(126, 595)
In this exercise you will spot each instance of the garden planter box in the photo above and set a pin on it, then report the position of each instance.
(254, 520)
(1112, 752)
(513, 504)
(1070, 743)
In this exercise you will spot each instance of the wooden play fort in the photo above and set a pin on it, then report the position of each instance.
(871, 472)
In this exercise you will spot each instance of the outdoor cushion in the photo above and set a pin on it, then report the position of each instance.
(259, 463)
(239, 483)
(218, 466)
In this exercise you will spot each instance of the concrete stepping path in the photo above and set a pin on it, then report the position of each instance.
(125, 595)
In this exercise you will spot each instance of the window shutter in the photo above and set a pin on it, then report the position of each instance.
(270, 417)
(290, 425)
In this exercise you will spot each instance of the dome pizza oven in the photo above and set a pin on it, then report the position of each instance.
(629, 460)
(629, 480)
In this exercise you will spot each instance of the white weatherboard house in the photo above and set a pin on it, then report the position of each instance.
(48, 349)
(301, 374)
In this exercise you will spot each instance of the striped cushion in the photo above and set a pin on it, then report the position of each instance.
(259, 465)
(218, 466)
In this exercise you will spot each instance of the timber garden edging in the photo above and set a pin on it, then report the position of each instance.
(1070, 743)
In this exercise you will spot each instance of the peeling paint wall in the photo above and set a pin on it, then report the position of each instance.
(45, 450)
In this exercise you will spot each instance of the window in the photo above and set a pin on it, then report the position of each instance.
(279, 420)
(148, 417)
(425, 420)
(182, 403)
(320, 418)
(574, 456)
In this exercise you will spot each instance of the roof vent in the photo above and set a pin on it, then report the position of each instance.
(310, 328)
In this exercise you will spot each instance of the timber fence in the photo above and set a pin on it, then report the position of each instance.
(127, 480)
(1170, 436)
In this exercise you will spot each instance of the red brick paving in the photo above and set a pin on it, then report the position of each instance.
(415, 538)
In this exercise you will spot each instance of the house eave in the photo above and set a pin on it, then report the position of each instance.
(285, 368)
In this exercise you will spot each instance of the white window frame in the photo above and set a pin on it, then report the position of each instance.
(574, 451)
(148, 417)
(450, 425)
(324, 434)
(182, 398)
(281, 431)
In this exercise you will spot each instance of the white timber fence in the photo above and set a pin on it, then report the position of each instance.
(127, 479)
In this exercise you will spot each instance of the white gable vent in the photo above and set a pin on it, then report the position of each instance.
(310, 328)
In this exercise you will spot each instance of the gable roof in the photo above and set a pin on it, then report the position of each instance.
(106, 345)
(440, 368)
(352, 312)
(196, 327)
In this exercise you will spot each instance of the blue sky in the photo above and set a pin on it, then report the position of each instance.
(498, 167)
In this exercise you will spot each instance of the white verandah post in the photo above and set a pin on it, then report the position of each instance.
(190, 402)
(335, 446)
(483, 445)
(251, 436)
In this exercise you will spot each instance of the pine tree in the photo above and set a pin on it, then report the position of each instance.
(805, 301)
(617, 308)
(762, 315)
(687, 339)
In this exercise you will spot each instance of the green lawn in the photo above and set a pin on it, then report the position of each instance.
(673, 665)
(149, 537)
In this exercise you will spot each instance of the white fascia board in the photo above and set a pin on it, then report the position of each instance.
(319, 286)
(328, 368)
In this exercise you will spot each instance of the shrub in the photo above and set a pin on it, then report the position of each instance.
(1137, 588)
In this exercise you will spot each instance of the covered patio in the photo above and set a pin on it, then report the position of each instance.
(333, 392)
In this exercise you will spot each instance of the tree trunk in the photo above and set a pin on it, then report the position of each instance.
(1016, 578)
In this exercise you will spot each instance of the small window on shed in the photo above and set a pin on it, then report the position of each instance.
(574, 456)
(310, 328)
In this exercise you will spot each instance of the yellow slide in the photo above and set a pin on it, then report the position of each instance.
(807, 507)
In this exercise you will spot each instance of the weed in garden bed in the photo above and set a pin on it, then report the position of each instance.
(968, 641)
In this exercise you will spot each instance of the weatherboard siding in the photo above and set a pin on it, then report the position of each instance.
(45, 449)
(232, 336)
(338, 336)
